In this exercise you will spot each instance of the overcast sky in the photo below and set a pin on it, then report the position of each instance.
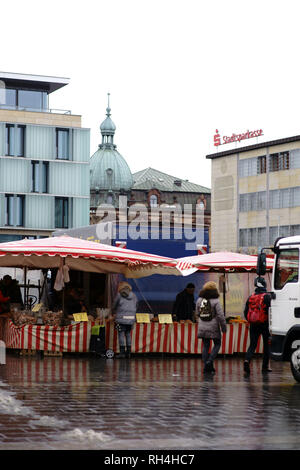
(176, 71)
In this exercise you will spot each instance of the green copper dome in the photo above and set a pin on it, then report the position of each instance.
(108, 169)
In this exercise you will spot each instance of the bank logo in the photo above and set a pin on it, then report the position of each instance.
(236, 137)
(217, 139)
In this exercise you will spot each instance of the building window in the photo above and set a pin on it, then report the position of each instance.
(261, 165)
(62, 144)
(10, 98)
(15, 140)
(14, 210)
(61, 212)
(10, 139)
(279, 161)
(252, 166)
(40, 176)
(109, 199)
(252, 237)
(261, 236)
(34, 100)
(153, 200)
(253, 201)
(243, 237)
(295, 230)
(31, 99)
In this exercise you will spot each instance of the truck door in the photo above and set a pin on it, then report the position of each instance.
(285, 308)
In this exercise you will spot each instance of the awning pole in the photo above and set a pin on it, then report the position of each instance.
(25, 287)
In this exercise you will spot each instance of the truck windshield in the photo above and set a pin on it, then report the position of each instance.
(287, 267)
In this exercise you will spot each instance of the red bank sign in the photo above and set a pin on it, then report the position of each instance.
(235, 137)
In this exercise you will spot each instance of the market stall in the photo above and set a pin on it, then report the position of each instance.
(224, 263)
(38, 328)
(153, 337)
(21, 331)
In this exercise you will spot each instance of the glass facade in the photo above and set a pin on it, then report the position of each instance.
(11, 98)
(34, 100)
(38, 191)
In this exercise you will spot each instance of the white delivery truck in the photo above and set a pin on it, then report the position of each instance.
(284, 315)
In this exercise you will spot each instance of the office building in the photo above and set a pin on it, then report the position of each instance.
(44, 160)
(255, 195)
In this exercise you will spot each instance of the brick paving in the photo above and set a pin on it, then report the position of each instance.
(80, 402)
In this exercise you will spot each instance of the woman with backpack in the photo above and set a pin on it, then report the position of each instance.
(210, 324)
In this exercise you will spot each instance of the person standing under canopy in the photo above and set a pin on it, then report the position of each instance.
(184, 306)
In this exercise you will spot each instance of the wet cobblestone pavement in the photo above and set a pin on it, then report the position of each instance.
(164, 403)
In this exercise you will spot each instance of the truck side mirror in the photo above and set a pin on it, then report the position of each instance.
(261, 267)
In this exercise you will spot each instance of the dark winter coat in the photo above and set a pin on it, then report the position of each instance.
(184, 306)
(267, 301)
(211, 329)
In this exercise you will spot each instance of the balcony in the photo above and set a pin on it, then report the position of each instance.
(37, 110)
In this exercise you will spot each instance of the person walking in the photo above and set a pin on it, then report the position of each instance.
(124, 313)
(256, 313)
(184, 306)
(211, 321)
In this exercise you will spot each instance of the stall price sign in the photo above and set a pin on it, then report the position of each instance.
(80, 316)
(142, 318)
(165, 318)
(37, 308)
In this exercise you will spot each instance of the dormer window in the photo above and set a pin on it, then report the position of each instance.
(153, 200)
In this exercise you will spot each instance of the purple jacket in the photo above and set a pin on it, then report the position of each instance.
(212, 328)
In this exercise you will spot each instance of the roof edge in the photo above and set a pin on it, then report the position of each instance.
(269, 143)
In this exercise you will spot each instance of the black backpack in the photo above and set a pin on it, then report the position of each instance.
(206, 312)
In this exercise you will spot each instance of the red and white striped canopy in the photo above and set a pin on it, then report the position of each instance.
(223, 261)
(84, 255)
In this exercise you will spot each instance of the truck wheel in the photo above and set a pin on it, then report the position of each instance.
(295, 364)
(109, 353)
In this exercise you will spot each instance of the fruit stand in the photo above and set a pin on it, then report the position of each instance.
(153, 337)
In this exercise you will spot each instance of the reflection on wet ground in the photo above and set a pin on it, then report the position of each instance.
(146, 403)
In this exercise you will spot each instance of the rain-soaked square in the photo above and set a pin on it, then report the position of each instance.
(146, 402)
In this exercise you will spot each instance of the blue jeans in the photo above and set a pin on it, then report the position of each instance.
(124, 332)
(214, 352)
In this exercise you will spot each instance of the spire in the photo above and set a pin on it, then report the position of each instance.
(107, 129)
(108, 110)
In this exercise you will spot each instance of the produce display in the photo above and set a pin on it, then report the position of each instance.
(23, 318)
(236, 319)
(52, 318)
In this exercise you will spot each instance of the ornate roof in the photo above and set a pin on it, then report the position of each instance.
(150, 178)
(108, 169)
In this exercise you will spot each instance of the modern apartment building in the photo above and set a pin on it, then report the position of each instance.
(255, 195)
(44, 160)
